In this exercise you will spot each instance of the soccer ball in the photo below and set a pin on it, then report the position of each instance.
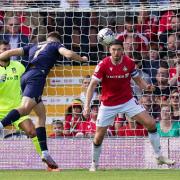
(105, 36)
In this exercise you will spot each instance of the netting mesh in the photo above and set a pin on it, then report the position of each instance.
(150, 34)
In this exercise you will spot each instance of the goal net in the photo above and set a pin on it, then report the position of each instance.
(150, 32)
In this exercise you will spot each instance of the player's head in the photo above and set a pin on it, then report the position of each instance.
(4, 46)
(54, 36)
(116, 50)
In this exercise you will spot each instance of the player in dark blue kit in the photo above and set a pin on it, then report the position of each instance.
(42, 57)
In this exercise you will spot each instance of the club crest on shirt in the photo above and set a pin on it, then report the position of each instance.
(125, 69)
(13, 70)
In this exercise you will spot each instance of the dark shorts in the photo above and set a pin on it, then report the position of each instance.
(32, 84)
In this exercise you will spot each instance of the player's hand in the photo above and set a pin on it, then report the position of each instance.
(150, 88)
(84, 58)
(86, 112)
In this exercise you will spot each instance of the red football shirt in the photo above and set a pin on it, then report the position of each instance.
(116, 86)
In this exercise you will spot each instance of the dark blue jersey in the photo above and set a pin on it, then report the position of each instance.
(43, 55)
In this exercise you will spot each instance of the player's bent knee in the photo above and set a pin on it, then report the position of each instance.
(30, 133)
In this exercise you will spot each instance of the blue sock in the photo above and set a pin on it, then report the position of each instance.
(11, 117)
(41, 135)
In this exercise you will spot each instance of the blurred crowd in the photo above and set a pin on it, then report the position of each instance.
(150, 38)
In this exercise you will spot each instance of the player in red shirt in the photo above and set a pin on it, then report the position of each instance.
(115, 73)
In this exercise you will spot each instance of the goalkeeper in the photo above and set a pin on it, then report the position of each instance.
(42, 57)
(10, 91)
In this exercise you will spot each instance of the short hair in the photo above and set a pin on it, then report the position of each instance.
(164, 64)
(55, 34)
(4, 42)
(55, 121)
(131, 19)
(116, 42)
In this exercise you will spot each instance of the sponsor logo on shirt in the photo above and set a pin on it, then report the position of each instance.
(3, 78)
(118, 76)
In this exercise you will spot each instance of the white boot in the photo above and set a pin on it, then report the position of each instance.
(164, 160)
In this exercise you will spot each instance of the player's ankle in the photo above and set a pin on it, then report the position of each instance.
(1, 126)
(45, 153)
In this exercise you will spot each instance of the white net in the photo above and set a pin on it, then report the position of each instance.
(150, 33)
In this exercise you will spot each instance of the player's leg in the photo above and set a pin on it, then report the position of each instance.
(41, 134)
(28, 127)
(25, 108)
(148, 122)
(97, 146)
(105, 118)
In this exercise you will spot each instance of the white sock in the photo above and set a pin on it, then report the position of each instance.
(45, 153)
(96, 151)
(1, 126)
(155, 142)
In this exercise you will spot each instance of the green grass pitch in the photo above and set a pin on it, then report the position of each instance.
(165, 174)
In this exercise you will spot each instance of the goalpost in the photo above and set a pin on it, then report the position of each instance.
(79, 27)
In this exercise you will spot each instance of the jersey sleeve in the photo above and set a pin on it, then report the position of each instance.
(134, 72)
(99, 71)
(26, 50)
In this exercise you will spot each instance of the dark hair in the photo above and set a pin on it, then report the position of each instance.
(131, 19)
(57, 122)
(164, 64)
(55, 34)
(95, 103)
(4, 42)
(116, 42)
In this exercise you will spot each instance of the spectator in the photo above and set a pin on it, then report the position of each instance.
(162, 90)
(165, 21)
(74, 119)
(57, 127)
(90, 123)
(175, 74)
(132, 128)
(148, 102)
(175, 104)
(173, 42)
(95, 50)
(147, 24)
(85, 83)
(151, 65)
(119, 122)
(129, 45)
(138, 63)
(167, 127)
(131, 30)
(111, 18)
(13, 35)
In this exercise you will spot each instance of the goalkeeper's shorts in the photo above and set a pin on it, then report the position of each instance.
(16, 124)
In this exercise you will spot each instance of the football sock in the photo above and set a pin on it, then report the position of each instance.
(155, 142)
(11, 117)
(96, 151)
(41, 135)
(36, 145)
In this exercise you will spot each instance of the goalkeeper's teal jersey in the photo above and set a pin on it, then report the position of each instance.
(10, 88)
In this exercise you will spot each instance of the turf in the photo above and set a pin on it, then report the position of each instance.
(165, 174)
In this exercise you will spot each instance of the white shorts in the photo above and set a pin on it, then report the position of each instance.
(106, 114)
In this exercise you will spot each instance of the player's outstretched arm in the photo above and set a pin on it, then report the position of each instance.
(91, 88)
(143, 84)
(4, 57)
(72, 55)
